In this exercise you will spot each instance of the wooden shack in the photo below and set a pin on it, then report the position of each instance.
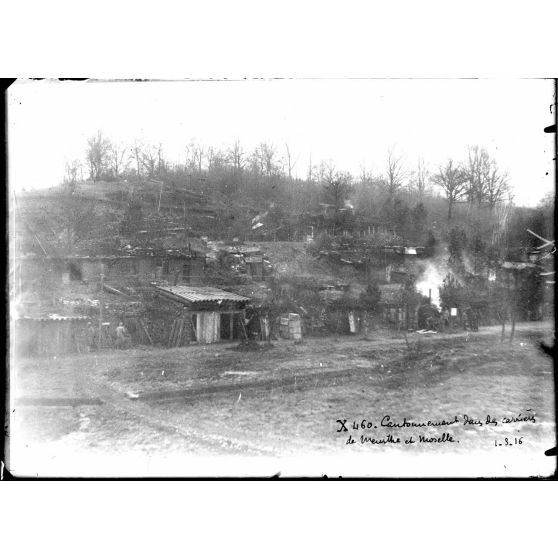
(172, 267)
(212, 314)
(50, 336)
(254, 266)
(400, 308)
(290, 326)
(391, 302)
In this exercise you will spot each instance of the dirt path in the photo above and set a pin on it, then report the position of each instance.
(261, 410)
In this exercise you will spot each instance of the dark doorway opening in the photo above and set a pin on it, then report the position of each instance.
(75, 272)
(228, 327)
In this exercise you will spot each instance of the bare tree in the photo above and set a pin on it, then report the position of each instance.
(263, 160)
(118, 158)
(337, 186)
(236, 157)
(215, 158)
(211, 155)
(137, 150)
(497, 186)
(290, 164)
(365, 175)
(326, 172)
(150, 159)
(268, 154)
(478, 173)
(395, 173)
(453, 180)
(196, 154)
(369, 188)
(161, 162)
(312, 171)
(97, 155)
(72, 170)
(421, 178)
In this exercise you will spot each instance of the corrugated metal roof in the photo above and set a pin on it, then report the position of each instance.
(203, 294)
(518, 265)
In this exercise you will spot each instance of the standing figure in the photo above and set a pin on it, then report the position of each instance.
(445, 318)
(91, 337)
(122, 337)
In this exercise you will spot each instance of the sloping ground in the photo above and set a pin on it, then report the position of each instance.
(290, 259)
(209, 214)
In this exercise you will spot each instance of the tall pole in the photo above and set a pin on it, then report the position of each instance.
(185, 221)
(101, 307)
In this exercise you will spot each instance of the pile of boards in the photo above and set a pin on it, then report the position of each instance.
(140, 332)
(180, 333)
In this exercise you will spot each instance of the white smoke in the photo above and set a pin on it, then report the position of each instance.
(467, 264)
(433, 274)
(430, 280)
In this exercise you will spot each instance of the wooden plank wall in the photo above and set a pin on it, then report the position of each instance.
(208, 327)
(49, 338)
(181, 331)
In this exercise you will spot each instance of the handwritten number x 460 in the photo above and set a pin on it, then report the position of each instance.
(343, 428)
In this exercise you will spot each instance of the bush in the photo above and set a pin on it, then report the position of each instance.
(370, 298)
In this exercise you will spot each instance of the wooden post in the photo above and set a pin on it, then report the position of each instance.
(512, 309)
(145, 329)
(231, 325)
(169, 343)
(174, 333)
(243, 326)
(262, 330)
(101, 307)
(512, 326)
(179, 336)
(193, 326)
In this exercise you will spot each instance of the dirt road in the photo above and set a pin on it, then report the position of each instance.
(216, 401)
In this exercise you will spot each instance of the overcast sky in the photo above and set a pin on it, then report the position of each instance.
(348, 121)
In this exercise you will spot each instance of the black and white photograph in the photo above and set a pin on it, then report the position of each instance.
(294, 277)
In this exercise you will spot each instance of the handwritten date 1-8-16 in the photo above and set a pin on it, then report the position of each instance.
(509, 442)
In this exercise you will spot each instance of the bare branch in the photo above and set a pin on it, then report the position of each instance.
(453, 180)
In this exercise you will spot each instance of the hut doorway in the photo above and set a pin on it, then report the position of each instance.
(229, 327)
(75, 272)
